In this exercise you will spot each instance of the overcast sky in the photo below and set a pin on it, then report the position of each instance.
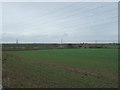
(51, 22)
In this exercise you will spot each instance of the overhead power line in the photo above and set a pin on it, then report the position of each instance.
(59, 15)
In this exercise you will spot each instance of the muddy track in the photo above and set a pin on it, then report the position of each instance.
(70, 68)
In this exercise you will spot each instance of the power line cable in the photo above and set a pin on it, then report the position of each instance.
(98, 7)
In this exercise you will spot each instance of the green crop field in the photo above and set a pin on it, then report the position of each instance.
(70, 68)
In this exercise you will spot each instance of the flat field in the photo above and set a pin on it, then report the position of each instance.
(69, 68)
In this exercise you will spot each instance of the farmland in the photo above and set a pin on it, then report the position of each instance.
(56, 68)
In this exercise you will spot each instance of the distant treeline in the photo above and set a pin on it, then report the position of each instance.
(32, 46)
